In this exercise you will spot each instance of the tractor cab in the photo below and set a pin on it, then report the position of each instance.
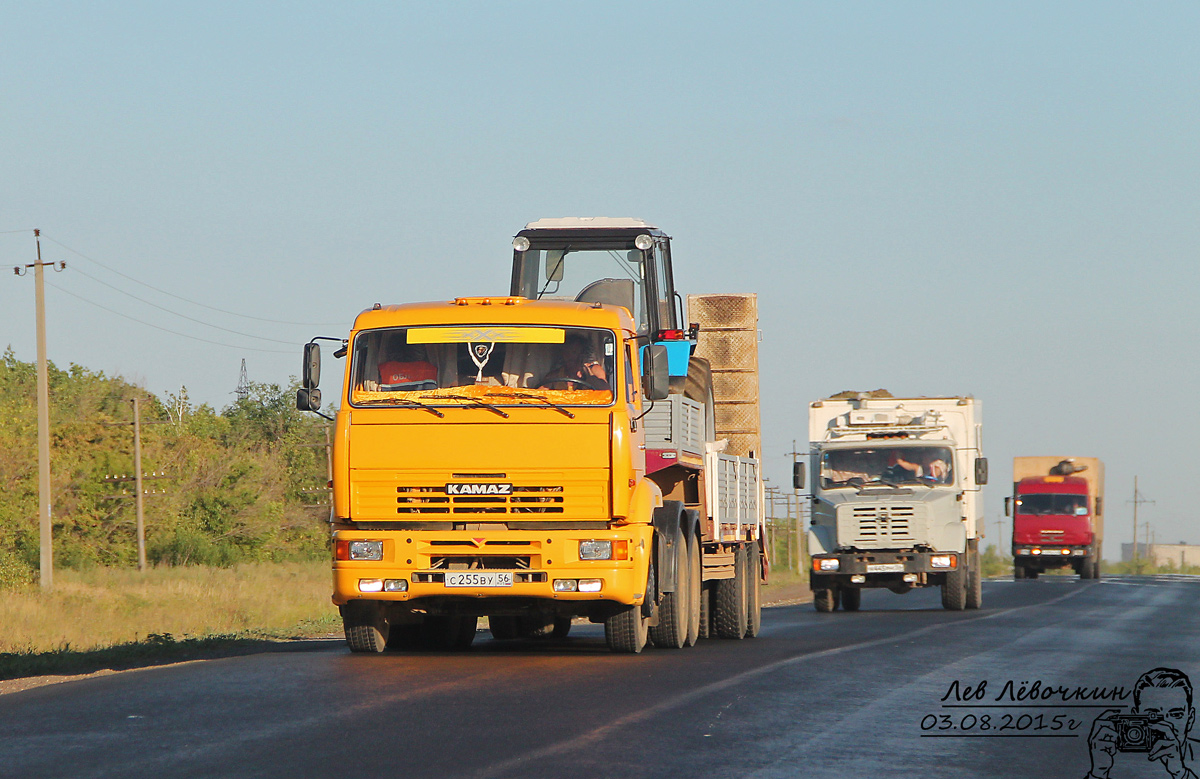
(618, 261)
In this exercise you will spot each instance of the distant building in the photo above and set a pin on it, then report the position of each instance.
(1178, 555)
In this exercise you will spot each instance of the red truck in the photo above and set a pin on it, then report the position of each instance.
(1057, 508)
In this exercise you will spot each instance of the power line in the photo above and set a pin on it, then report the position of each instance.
(164, 329)
(186, 300)
(176, 313)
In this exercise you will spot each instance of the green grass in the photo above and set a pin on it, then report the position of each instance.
(118, 618)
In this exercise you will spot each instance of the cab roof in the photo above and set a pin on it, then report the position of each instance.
(497, 310)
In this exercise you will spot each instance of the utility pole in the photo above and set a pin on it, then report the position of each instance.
(1137, 500)
(45, 528)
(137, 483)
(797, 527)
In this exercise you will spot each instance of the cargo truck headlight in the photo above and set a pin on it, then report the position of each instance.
(826, 564)
(943, 561)
(566, 585)
(590, 585)
(1035, 551)
(364, 550)
(370, 585)
(595, 550)
(1066, 551)
(395, 585)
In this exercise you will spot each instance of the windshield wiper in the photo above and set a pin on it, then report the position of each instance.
(475, 402)
(549, 404)
(401, 402)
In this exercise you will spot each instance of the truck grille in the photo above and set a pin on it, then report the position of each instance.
(523, 500)
(476, 562)
(879, 527)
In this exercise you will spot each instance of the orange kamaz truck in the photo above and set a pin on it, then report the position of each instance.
(552, 454)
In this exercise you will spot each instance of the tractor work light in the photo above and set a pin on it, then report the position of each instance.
(566, 585)
(643, 242)
(943, 561)
(521, 243)
(590, 585)
(370, 585)
(395, 585)
(825, 564)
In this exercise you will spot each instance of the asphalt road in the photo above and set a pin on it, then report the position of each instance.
(816, 695)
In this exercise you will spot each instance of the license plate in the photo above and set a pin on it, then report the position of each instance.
(885, 567)
(479, 579)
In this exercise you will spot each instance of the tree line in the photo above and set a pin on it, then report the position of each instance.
(237, 485)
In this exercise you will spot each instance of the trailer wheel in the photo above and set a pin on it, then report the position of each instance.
(672, 628)
(851, 598)
(730, 614)
(954, 590)
(365, 626)
(695, 587)
(825, 600)
(626, 631)
(974, 581)
(706, 596)
(753, 591)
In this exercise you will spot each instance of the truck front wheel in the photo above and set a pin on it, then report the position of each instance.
(851, 599)
(974, 581)
(954, 589)
(365, 626)
(626, 631)
(825, 600)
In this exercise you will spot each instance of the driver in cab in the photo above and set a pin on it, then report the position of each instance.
(579, 367)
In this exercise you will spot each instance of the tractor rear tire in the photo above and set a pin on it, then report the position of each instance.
(730, 617)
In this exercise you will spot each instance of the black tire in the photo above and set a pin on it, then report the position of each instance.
(706, 599)
(672, 628)
(698, 387)
(975, 581)
(1096, 569)
(851, 598)
(730, 612)
(626, 632)
(1085, 568)
(825, 600)
(365, 626)
(404, 638)
(954, 589)
(504, 628)
(562, 628)
(443, 634)
(753, 591)
(1031, 573)
(1019, 572)
(535, 627)
(695, 587)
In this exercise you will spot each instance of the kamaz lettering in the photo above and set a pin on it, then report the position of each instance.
(479, 489)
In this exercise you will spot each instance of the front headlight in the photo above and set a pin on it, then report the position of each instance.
(827, 564)
(595, 550)
(942, 561)
(366, 550)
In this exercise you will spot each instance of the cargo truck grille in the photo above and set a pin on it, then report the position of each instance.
(477, 562)
(880, 527)
(523, 500)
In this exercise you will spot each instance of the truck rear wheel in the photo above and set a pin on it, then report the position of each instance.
(730, 617)
(851, 598)
(695, 586)
(672, 628)
(825, 600)
(753, 592)
(365, 626)
(504, 628)
(954, 589)
(452, 633)
(706, 597)
(974, 581)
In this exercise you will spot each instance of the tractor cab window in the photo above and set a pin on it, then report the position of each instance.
(897, 465)
(614, 276)
(495, 365)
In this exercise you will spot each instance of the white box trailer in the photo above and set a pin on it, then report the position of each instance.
(895, 497)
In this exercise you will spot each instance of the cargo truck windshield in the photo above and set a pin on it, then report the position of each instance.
(484, 366)
(927, 465)
(1046, 504)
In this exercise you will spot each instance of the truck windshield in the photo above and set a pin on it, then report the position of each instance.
(589, 275)
(496, 365)
(1044, 504)
(928, 465)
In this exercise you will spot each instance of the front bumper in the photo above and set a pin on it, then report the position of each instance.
(535, 559)
(882, 569)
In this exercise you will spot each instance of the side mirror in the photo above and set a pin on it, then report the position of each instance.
(310, 372)
(656, 381)
(554, 264)
(1099, 509)
(798, 475)
(980, 471)
(308, 399)
(1008, 507)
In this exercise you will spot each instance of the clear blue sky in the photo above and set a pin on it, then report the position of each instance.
(936, 198)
